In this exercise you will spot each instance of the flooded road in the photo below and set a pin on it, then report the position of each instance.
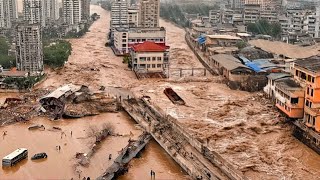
(88, 51)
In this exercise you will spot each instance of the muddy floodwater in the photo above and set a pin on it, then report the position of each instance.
(87, 51)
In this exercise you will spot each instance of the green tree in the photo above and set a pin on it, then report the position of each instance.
(55, 55)
(6, 61)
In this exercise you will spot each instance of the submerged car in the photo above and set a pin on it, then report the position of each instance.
(39, 156)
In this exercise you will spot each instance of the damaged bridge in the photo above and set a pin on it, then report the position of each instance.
(196, 159)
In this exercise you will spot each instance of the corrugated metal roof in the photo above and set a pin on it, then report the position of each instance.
(229, 62)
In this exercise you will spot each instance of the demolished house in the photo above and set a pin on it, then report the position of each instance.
(56, 100)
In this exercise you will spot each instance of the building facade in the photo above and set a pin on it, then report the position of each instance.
(307, 72)
(85, 12)
(149, 57)
(33, 12)
(29, 53)
(124, 39)
(133, 15)
(50, 11)
(149, 13)
(8, 13)
(71, 12)
(119, 15)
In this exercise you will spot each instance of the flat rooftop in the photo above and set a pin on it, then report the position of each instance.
(311, 64)
(288, 50)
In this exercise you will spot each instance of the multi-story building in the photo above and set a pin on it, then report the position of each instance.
(251, 13)
(71, 12)
(149, 57)
(237, 4)
(50, 11)
(29, 54)
(125, 38)
(33, 12)
(119, 14)
(289, 97)
(85, 10)
(133, 15)
(307, 72)
(214, 16)
(8, 13)
(271, 15)
(149, 13)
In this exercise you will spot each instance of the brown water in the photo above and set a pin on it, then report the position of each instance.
(88, 51)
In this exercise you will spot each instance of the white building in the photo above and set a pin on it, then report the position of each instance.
(71, 11)
(149, 13)
(33, 12)
(50, 10)
(8, 13)
(149, 57)
(119, 14)
(29, 55)
(124, 39)
(133, 15)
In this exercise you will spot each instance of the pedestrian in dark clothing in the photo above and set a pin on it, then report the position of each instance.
(59, 148)
(71, 133)
(151, 173)
(88, 178)
(154, 175)
(110, 156)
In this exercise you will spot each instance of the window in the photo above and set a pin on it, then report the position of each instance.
(159, 58)
(142, 59)
(294, 100)
(308, 90)
(307, 103)
(303, 76)
(158, 65)
(312, 79)
(148, 65)
(309, 78)
(153, 58)
(311, 92)
(153, 66)
(148, 58)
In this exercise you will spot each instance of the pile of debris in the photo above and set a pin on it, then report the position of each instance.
(72, 101)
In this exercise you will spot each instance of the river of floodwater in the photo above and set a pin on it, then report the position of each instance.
(88, 50)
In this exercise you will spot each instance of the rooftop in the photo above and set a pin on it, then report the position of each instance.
(311, 64)
(149, 46)
(275, 76)
(220, 36)
(14, 73)
(288, 50)
(229, 62)
(288, 84)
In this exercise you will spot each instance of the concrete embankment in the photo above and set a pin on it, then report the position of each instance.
(196, 159)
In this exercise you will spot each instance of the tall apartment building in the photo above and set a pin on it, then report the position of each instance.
(251, 13)
(85, 12)
(50, 10)
(8, 13)
(149, 13)
(119, 14)
(33, 12)
(237, 4)
(29, 54)
(71, 11)
(133, 15)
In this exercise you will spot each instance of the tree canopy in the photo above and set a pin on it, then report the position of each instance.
(55, 55)
(6, 61)
(265, 27)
